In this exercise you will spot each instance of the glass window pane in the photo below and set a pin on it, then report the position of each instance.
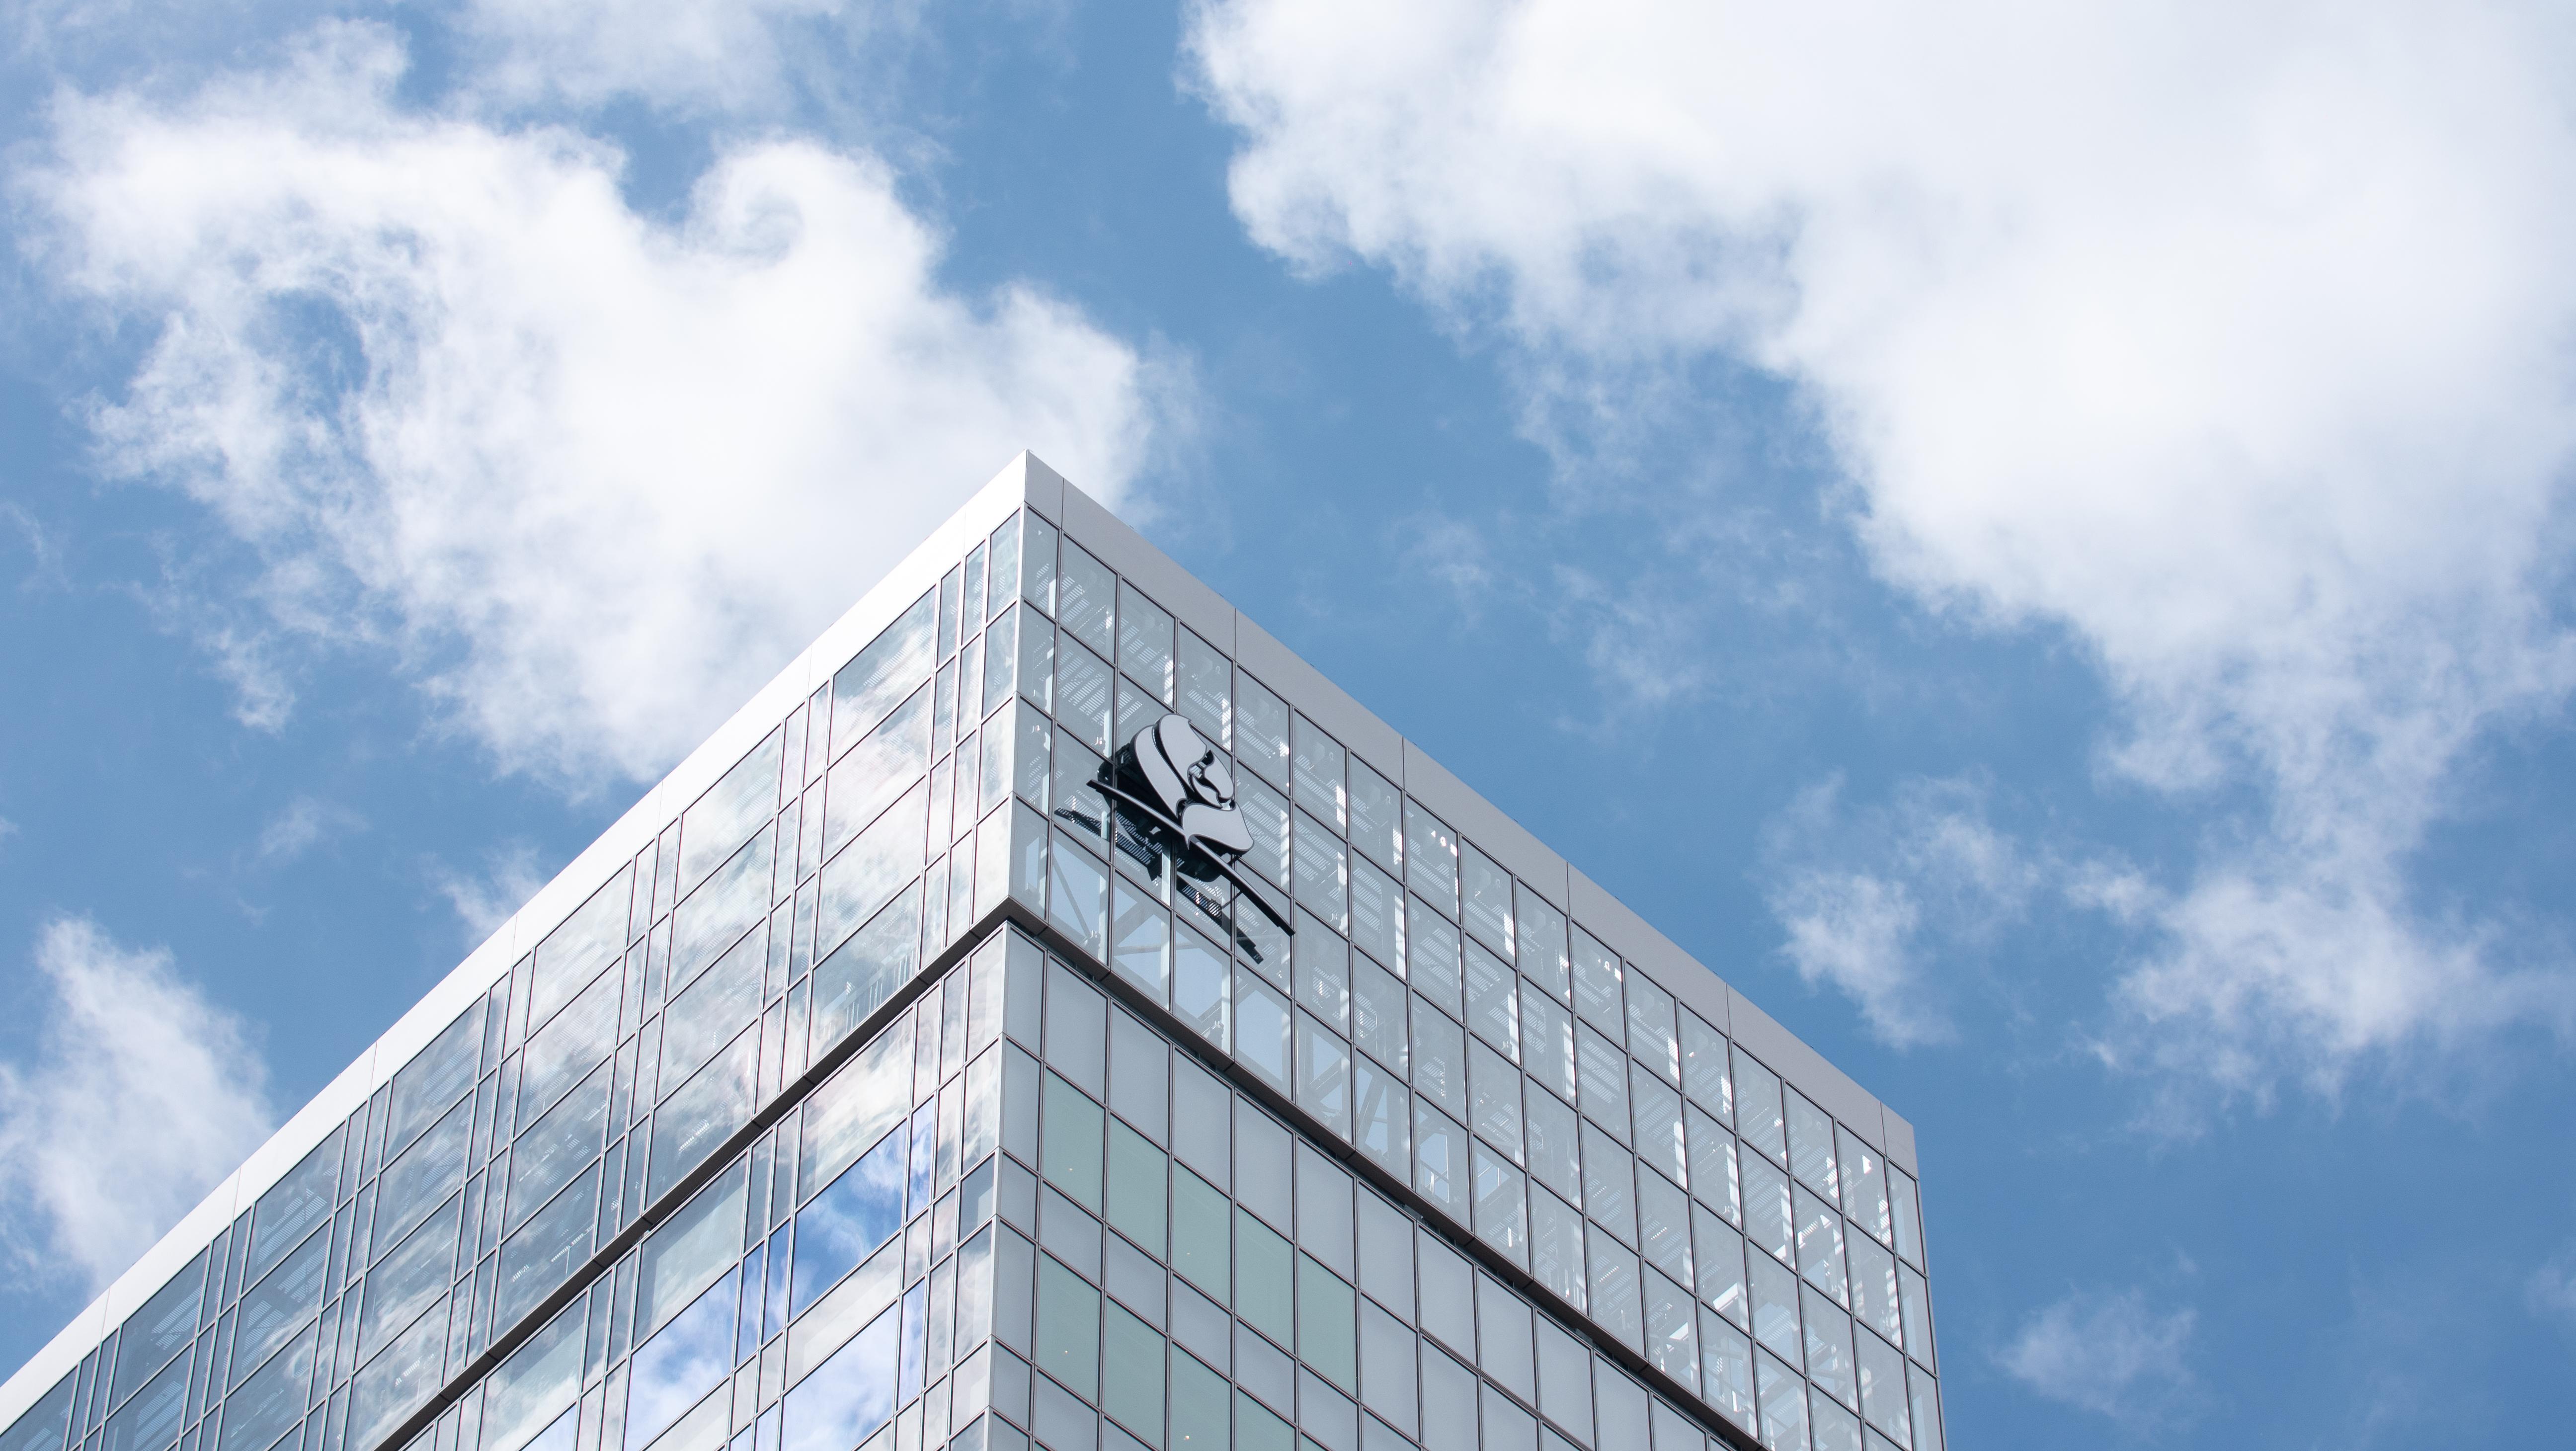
(1672, 1330)
(1917, 1302)
(269, 1404)
(862, 972)
(1613, 1299)
(568, 1047)
(876, 773)
(1037, 561)
(878, 678)
(1200, 1216)
(1132, 1391)
(1084, 698)
(1431, 858)
(1261, 1030)
(1596, 985)
(1439, 1160)
(1873, 1286)
(1547, 1042)
(1882, 1387)
(1439, 1059)
(154, 1417)
(401, 1285)
(1829, 1349)
(741, 803)
(1656, 1112)
(1377, 1014)
(845, 1223)
(1316, 765)
(1004, 577)
(418, 1182)
(1726, 1370)
(1070, 1140)
(702, 1018)
(167, 1321)
(1206, 689)
(1377, 916)
(1140, 937)
(1903, 1209)
(1086, 593)
(1264, 1279)
(1704, 1068)
(1784, 1407)
(1714, 1178)
(556, 1241)
(1432, 959)
(1774, 1293)
(1757, 1108)
(846, 1398)
(1811, 1146)
(1495, 1091)
(1493, 1000)
(1556, 1246)
(1327, 1324)
(1864, 1184)
(1651, 1038)
(1609, 1184)
(433, 1080)
(1769, 1219)
(1377, 817)
(1501, 1213)
(1260, 730)
(1601, 1072)
(868, 873)
(387, 1389)
(1323, 1086)
(1553, 1150)
(1199, 987)
(1718, 1258)
(1381, 1110)
(1386, 1367)
(590, 939)
(1926, 1409)
(1145, 641)
(1323, 873)
(694, 1121)
(1663, 1226)
(1544, 957)
(1486, 901)
(1836, 1429)
(737, 897)
(1135, 1186)
(1067, 1342)
(1820, 1246)
(1265, 815)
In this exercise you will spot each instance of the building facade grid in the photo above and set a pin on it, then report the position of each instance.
(676, 1141)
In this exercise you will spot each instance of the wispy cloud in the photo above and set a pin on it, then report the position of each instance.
(305, 823)
(140, 1096)
(2138, 378)
(465, 406)
(2107, 1353)
(483, 898)
(1864, 895)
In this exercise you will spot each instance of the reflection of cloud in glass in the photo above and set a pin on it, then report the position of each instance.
(861, 1210)
(679, 1365)
(848, 1396)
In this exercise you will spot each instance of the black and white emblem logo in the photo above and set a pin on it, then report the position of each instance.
(1178, 794)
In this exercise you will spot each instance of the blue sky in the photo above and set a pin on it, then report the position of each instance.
(2034, 543)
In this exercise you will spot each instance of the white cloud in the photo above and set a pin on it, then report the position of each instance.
(2106, 1353)
(595, 476)
(1869, 899)
(2231, 344)
(484, 899)
(683, 55)
(304, 824)
(142, 1096)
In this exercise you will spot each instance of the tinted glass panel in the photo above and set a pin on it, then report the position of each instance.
(879, 678)
(441, 1074)
(296, 1203)
(729, 812)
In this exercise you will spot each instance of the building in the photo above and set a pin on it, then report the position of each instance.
(1079, 1022)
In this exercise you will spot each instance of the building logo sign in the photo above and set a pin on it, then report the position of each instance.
(1179, 793)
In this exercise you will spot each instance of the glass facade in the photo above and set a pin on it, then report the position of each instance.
(900, 1093)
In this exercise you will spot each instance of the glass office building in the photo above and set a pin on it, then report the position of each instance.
(1049, 1014)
